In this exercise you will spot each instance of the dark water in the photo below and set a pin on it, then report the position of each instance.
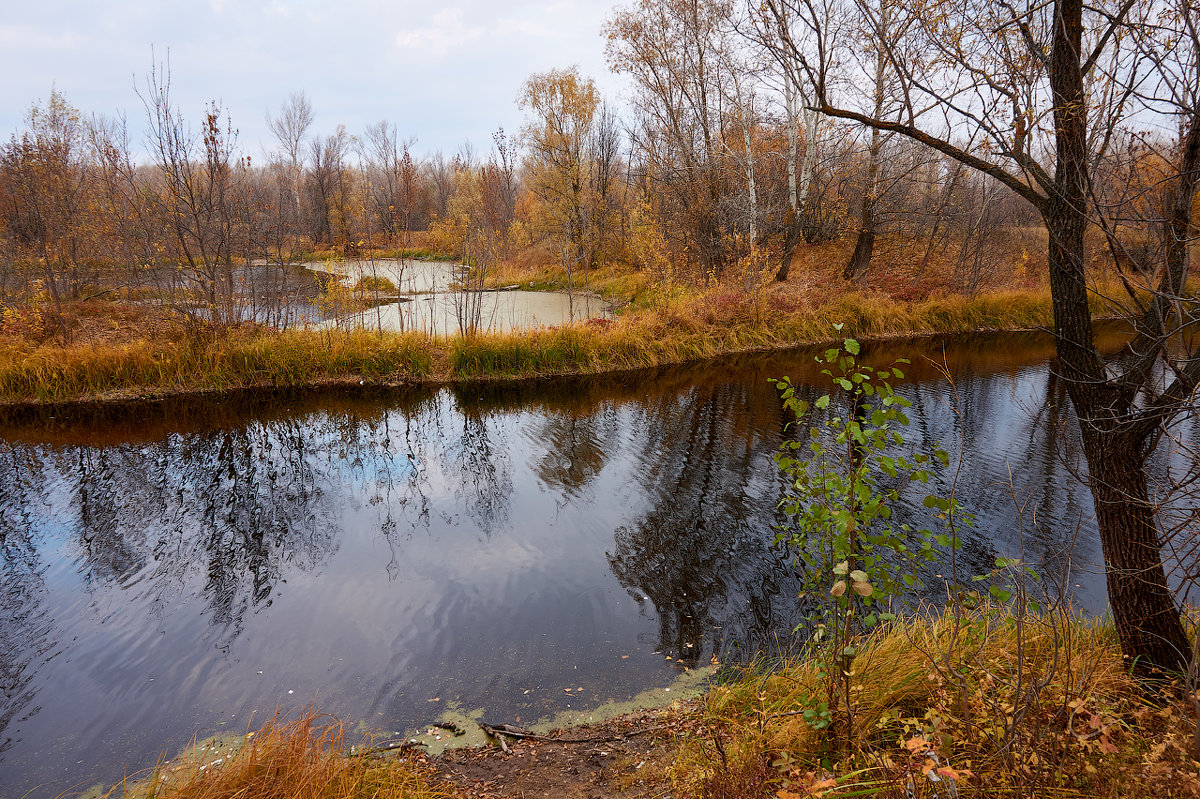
(195, 566)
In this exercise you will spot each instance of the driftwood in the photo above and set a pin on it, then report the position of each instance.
(499, 731)
(391, 746)
(502, 731)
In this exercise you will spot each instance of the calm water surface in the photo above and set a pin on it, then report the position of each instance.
(196, 566)
(426, 303)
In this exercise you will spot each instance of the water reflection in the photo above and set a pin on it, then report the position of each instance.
(193, 564)
(701, 553)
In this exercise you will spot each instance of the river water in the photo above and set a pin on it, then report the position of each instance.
(194, 566)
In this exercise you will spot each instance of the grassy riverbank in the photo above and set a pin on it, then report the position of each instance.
(674, 331)
(1042, 706)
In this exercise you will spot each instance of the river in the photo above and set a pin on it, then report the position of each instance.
(195, 565)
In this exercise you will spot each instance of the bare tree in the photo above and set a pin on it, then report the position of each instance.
(290, 127)
(818, 33)
(328, 189)
(200, 177)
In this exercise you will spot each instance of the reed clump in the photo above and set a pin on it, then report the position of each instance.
(304, 757)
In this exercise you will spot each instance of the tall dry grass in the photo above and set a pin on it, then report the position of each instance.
(1042, 708)
(305, 758)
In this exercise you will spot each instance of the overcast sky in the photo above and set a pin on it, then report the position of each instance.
(442, 72)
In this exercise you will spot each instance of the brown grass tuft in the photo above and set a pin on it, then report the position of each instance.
(304, 758)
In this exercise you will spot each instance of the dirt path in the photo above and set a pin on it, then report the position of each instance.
(628, 756)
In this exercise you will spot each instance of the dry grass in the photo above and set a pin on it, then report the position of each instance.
(1045, 709)
(301, 759)
(206, 363)
(676, 330)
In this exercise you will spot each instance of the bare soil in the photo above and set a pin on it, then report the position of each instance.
(628, 756)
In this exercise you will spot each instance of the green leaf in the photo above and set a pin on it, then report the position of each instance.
(822, 402)
(1002, 594)
(851, 346)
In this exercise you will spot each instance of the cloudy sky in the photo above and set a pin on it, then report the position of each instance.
(441, 71)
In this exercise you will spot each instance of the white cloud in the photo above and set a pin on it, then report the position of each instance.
(446, 31)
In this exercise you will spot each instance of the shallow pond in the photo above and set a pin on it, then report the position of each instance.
(196, 565)
(426, 303)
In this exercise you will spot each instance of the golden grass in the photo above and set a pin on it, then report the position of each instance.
(1082, 726)
(300, 759)
(58, 373)
(677, 329)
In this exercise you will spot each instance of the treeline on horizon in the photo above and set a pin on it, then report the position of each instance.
(717, 172)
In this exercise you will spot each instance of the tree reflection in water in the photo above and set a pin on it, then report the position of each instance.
(702, 554)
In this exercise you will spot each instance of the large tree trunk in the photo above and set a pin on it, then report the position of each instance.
(860, 259)
(1147, 621)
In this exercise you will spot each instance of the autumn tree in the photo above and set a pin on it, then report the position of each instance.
(561, 166)
(439, 174)
(669, 48)
(1033, 95)
(47, 171)
(328, 189)
(123, 199)
(394, 178)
